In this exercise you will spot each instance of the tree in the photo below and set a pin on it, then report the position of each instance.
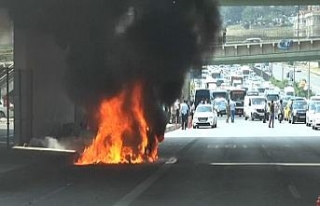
(232, 14)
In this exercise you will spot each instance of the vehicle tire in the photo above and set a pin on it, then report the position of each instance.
(2, 114)
(292, 120)
(246, 118)
(194, 127)
(252, 118)
(212, 126)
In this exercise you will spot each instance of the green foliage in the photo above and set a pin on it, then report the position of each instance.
(278, 83)
(263, 14)
(298, 90)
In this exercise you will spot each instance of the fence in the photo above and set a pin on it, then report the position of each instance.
(6, 106)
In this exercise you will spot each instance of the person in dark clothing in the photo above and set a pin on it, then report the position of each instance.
(265, 111)
(271, 115)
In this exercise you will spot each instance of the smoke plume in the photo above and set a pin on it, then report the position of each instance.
(113, 43)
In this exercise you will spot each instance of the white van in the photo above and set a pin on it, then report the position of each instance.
(289, 91)
(254, 107)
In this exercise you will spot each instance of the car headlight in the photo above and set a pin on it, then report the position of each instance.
(211, 117)
(295, 112)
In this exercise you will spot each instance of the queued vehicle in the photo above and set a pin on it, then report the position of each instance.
(311, 111)
(204, 115)
(254, 107)
(298, 111)
(220, 105)
(315, 124)
(220, 93)
(252, 93)
(288, 108)
(202, 95)
(237, 95)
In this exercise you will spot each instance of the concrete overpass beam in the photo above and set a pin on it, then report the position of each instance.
(41, 103)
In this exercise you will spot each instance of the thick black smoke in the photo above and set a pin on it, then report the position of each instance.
(113, 43)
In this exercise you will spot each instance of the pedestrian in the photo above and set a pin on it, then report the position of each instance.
(265, 111)
(184, 109)
(232, 110)
(177, 111)
(271, 115)
(228, 111)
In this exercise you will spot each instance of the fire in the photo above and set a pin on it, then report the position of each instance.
(123, 132)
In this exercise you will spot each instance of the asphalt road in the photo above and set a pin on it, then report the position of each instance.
(244, 163)
(278, 73)
(3, 133)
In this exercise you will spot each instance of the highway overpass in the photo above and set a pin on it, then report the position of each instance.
(302, 50)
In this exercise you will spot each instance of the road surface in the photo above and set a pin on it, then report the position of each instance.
(244, 164)
(280, 73)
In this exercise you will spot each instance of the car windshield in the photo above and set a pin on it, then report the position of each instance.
(221, 103)
(258, 101)
(204, 109)
(273, 97)
(314, 105)
(299, 105)
(317, 109)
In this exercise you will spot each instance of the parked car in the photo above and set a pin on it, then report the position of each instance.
(4, 111)
(205, 115)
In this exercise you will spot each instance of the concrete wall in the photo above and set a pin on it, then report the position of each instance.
(41, 104)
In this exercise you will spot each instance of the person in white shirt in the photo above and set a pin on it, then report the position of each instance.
(184, 109)
(176, 107)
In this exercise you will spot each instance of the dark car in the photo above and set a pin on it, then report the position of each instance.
(220, 105)
(298, 111)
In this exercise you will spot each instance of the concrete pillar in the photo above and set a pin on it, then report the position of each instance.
(41, 103)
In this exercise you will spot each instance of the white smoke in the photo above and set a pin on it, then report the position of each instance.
(47, 142)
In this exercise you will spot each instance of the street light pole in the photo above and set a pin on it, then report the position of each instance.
(294, 73)
(309, 81)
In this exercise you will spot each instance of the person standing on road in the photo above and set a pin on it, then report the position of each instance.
(265, 111)
(232, 110)
(271, 115)
(184, 115)
(228, 111)
(177, 111)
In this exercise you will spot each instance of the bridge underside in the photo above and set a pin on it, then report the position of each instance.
(222, 2)
(279, 57)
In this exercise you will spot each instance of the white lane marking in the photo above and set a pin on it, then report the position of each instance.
(43, 149)
(265, 164)
(287, 145)
(244, 146)
(217, 146)
(234, 146)
(264, 146)
(143, 186)
(294, 192)
(172, 160)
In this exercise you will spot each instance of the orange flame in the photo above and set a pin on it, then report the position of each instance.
(123, 132)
